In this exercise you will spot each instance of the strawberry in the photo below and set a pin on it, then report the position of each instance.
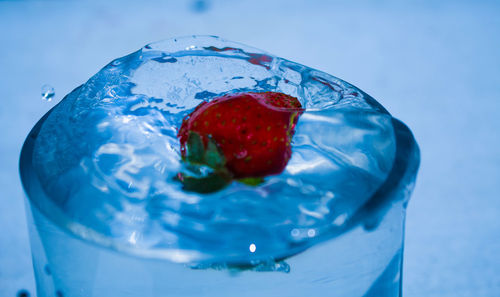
(244, 135)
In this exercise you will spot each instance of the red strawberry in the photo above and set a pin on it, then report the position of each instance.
(252, 131)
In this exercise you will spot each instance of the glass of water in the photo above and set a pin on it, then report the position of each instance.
(107, 218)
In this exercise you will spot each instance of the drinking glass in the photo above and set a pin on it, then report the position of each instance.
(362, 258)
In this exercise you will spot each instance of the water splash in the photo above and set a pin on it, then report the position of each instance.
(108, 153)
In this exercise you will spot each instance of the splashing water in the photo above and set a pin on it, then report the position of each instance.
(107, 154)
(48, 92)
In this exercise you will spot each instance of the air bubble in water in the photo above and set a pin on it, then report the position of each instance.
(48, 92)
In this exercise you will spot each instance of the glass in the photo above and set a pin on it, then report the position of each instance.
(357, 251)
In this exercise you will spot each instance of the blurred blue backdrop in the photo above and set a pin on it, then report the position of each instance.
(433, 64)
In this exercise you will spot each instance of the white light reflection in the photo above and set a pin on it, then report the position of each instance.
(252, 248)
(340, 219)
(133, 238)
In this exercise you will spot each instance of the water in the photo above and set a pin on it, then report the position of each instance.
(48, 92)
(102, 168)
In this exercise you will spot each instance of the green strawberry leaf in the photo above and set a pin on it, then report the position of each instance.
(198, 154)
(211, 183)
(213, 157)
(251, 181)
(210, 156)
(195, 148)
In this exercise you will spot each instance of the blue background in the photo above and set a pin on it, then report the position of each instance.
(433, 64)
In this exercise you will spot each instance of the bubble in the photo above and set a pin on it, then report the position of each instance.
(48, 92)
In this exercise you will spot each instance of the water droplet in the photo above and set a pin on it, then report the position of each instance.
(48, 92)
